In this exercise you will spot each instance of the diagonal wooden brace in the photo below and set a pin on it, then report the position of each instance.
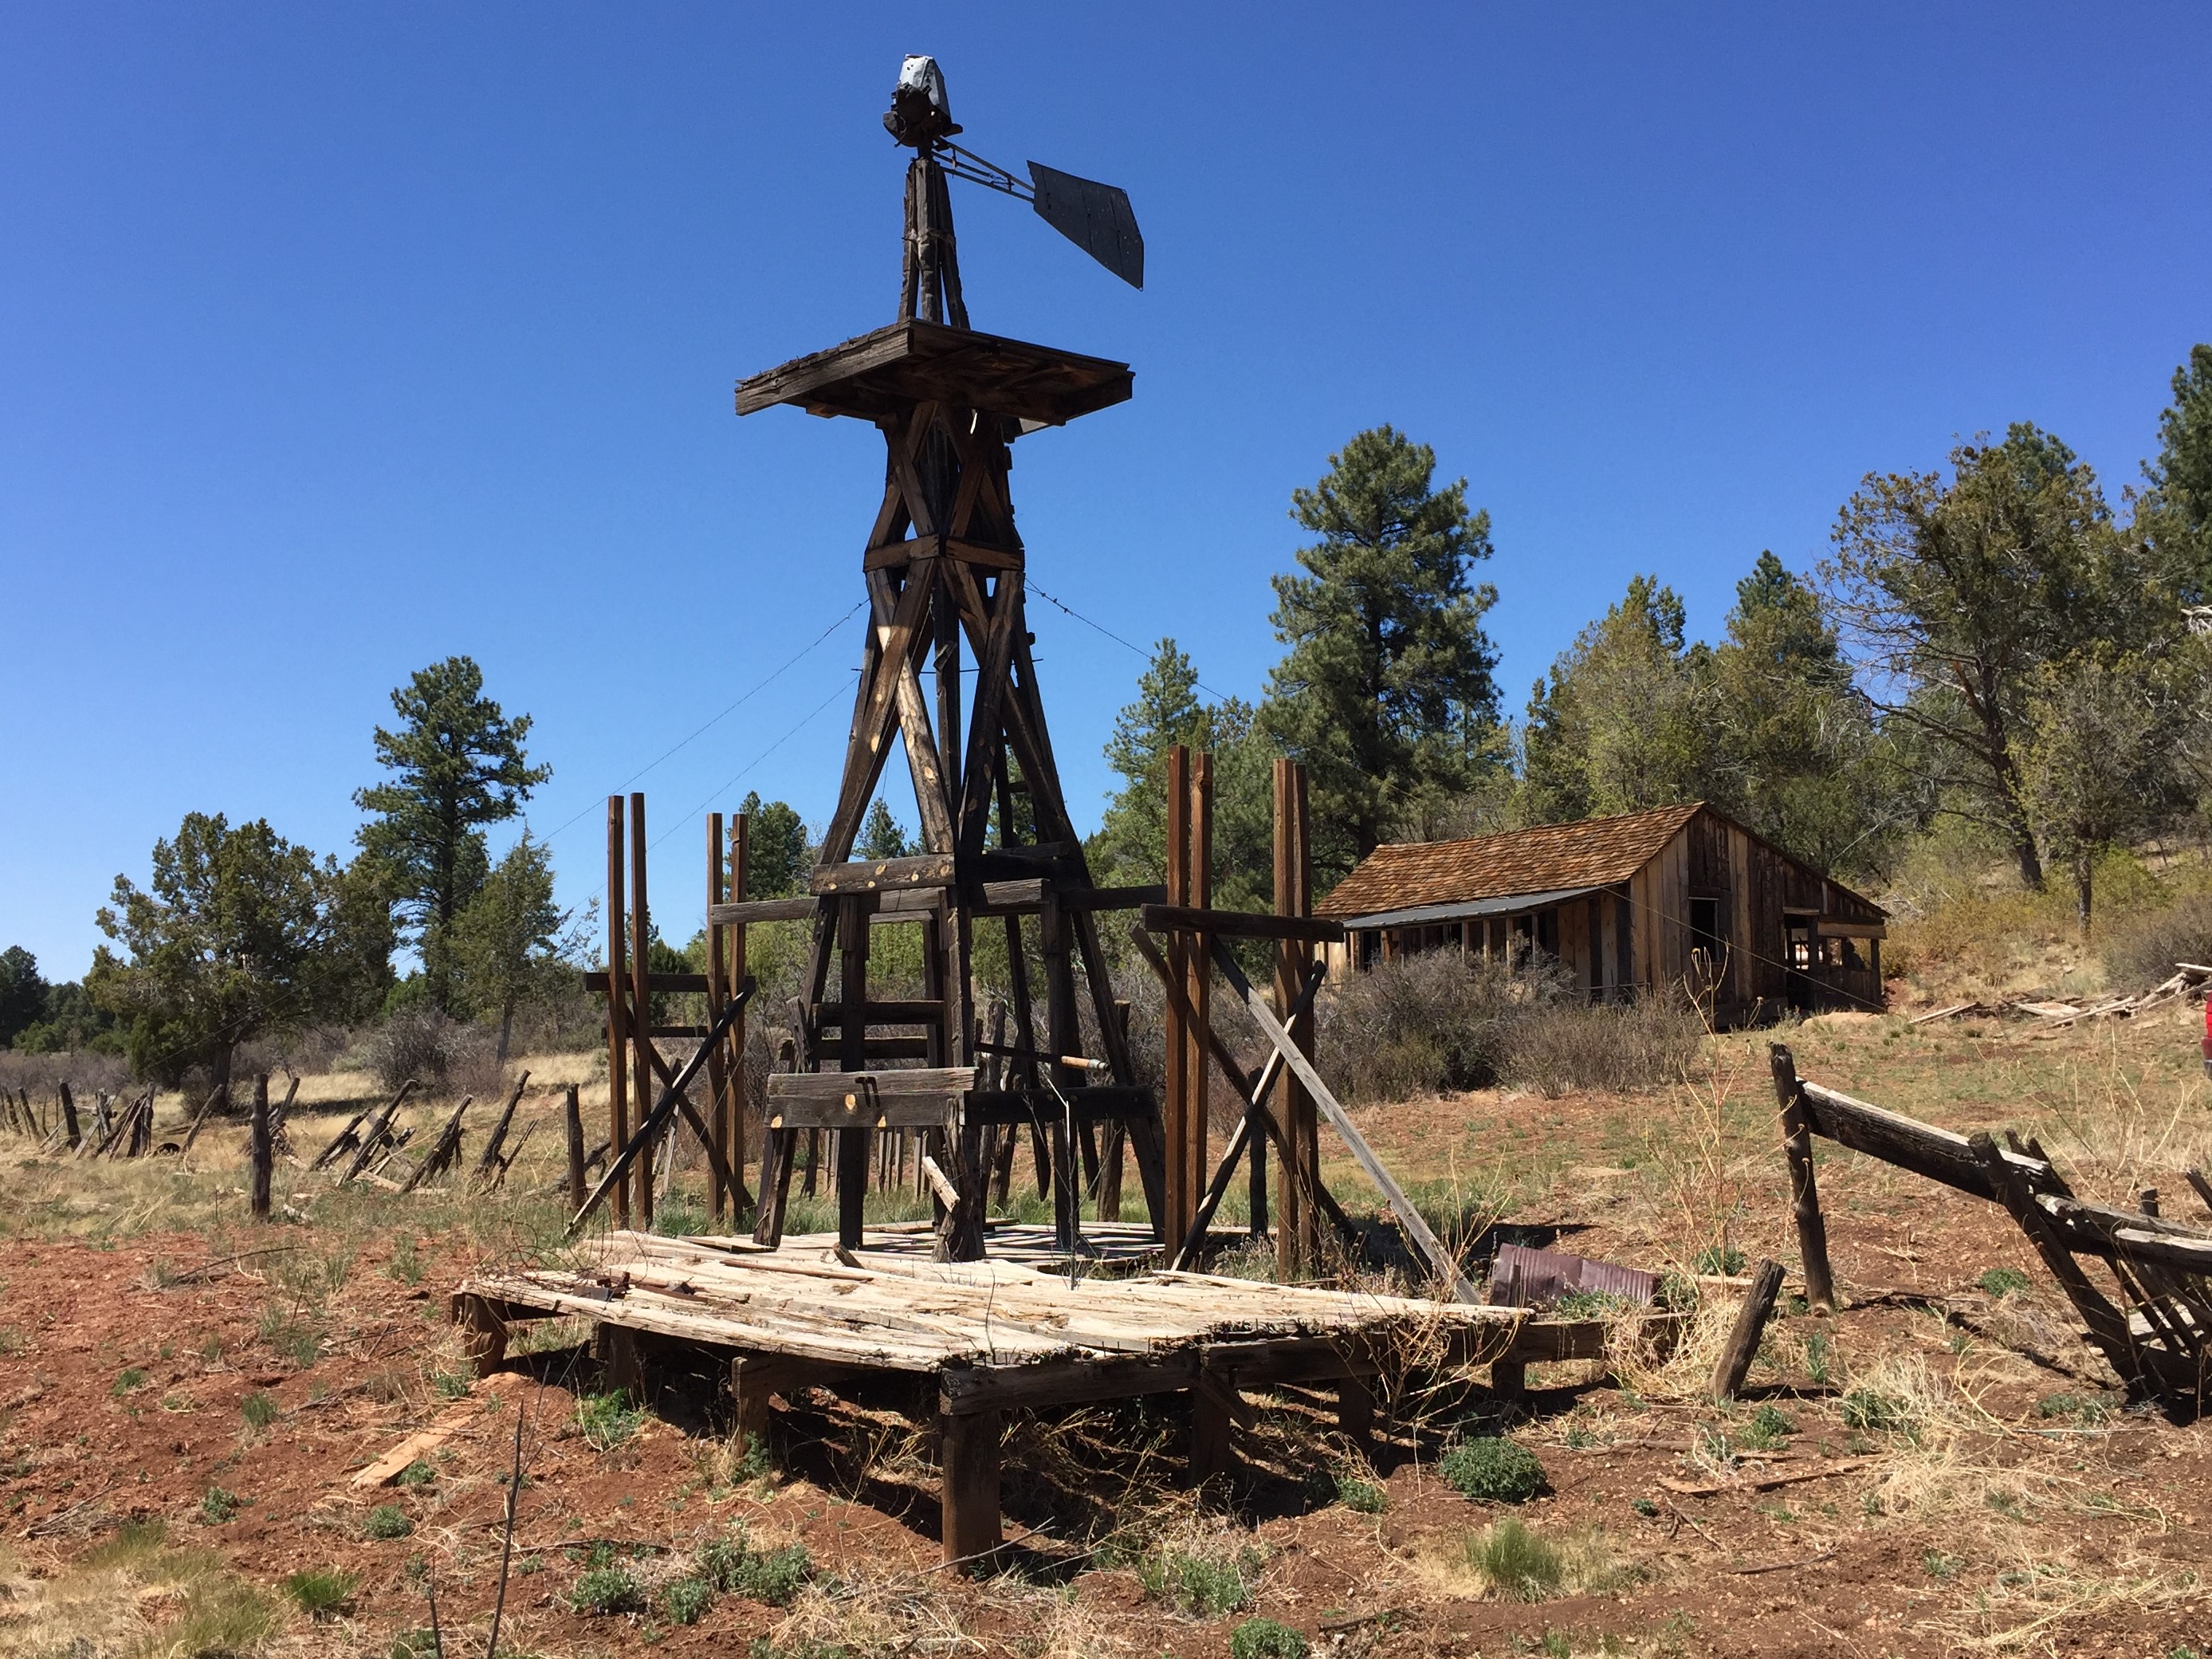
(1426, 1242)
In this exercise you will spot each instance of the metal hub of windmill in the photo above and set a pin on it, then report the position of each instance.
(944, 565)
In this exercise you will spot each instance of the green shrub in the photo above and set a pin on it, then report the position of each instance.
(1875, 1412)
(605, 1420)
(1206, 1586)
(2001, 1282)
(129, 1380)
(1721, 1261)
(417, 1473)
(1516, 1561)
(1492, 1470)
(1360, 1496)
(218, 1506)
(321, 1592)
(2141, 951)
(1769, 1428)
(676, 1217)
(606, 1590)
(1590, 1304)
(1263, 1638)
(686, 1601)
(450, 1385)
(2082, 1409)
(772, 1577)
(387, 1521)
(259, 1408)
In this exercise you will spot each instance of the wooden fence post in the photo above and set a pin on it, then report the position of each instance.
(68, 1117)
(740, 852)
(641, 1012)
(1182, 1197)
(1804, 1195)
(1742, 1344)
(718, 1068)
(262, 1145)
(1298, 1229)
(617, 1001)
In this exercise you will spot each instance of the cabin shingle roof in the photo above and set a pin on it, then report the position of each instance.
(1547, 857)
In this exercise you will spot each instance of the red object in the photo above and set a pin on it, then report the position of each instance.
(2207, 1045)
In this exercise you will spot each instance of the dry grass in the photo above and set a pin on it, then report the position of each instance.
(1510, 1560)
(133, 1597)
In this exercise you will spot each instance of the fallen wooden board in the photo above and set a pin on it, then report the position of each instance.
(387, 1468)
(1765, 1482)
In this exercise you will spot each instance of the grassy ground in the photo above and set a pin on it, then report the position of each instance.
(184, 1396)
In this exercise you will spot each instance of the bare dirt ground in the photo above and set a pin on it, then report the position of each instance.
(1942, 1467)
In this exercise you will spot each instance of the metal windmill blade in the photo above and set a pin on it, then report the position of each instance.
(1096, 217)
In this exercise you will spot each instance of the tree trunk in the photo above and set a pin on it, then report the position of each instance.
(2031, 862)
(221, 1067)
(2081, 878)
(505, 1028)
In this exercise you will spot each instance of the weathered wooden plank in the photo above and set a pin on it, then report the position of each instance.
(883, 875)
(943, 1082)
(1239, 924)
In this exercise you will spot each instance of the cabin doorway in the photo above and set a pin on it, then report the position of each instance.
(1797, 950)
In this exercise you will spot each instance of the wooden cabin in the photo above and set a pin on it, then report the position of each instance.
(1679, 895)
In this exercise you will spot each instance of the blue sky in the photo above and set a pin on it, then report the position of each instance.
(336, 339)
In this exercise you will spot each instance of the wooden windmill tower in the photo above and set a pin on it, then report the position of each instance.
(943, 566)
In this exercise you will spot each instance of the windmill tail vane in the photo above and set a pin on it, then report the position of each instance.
(1096, 217)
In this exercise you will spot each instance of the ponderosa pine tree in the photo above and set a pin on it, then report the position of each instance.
(1386, 692)
(458, 765)
(2176, 514)
(779, 858)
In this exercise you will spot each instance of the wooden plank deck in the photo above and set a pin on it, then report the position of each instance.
(1003, 1332)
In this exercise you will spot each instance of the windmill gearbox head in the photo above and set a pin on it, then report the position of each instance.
(920, 114)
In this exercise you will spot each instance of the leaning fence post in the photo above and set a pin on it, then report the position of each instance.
(263, 1146)
(68, 1117)
(1742, 1345)
(1804, 1195)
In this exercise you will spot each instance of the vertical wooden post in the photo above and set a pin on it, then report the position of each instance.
(1298, 1229)
(618, 1007)
(1198, 1070)
(1063, 1035)
(854, 1140)
(640, 1009)
(1181, 1196)
(740, 866)
(1804, 1195)
(967, 1458)
(573, 1115)
(718, 994)
(1117, 1139)
(263, 1145)
(74, 1131)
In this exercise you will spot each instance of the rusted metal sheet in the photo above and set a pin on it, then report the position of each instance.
(1525, 1278)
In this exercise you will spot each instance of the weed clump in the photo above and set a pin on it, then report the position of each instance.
(733, 1564)
(1515, 1562)
(2080, 1408)
(321, 1592)
(385, 1522)
(606, 1590)
(219, 1505)
(259, 1408)
(1199, 1569)
(605, 1420)
(1361, 1497)
(1492, 1470)
(1263, 1638)
(1875, 1411)
(686, 1601)
(2001, 1282)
